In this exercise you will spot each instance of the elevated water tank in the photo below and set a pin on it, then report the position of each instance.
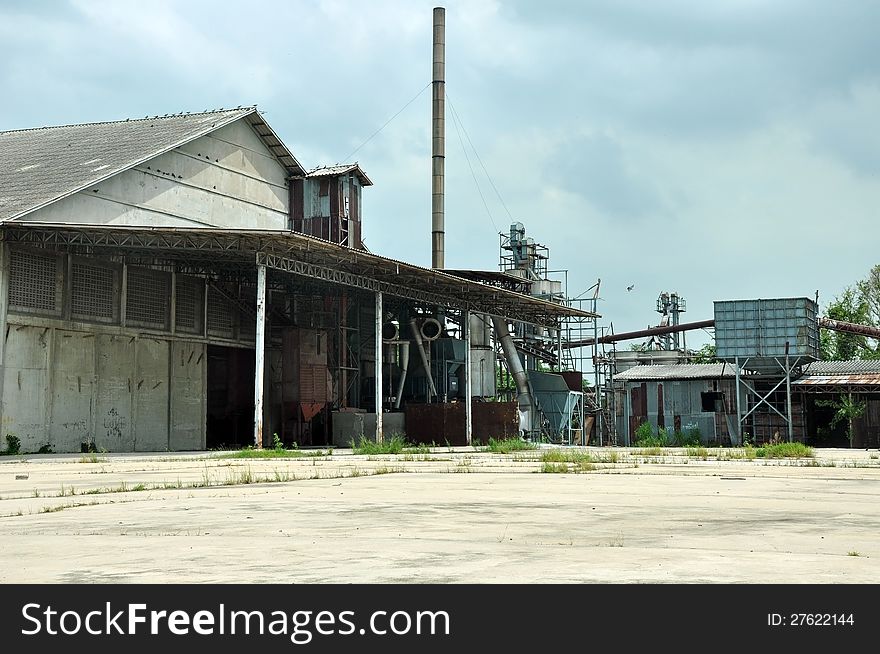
(757, 331)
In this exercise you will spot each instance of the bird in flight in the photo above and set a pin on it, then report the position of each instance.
(630, 287)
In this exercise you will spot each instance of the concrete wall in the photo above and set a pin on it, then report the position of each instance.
(225, 179)
(124, 393)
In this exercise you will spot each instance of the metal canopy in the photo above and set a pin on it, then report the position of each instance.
(298, 254)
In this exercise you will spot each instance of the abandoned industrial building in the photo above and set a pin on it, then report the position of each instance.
(183, 282)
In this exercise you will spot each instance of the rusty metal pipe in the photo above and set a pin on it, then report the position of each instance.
(650, 331)
(850, 327)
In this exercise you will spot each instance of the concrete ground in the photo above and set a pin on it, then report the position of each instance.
(640, 516)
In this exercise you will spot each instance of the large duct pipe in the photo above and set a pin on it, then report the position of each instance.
(849, 327)
(430, 329)
(404, 364)
(514, 364)
(438, 140)
(650, 331)
(390, 332)
(420, 346)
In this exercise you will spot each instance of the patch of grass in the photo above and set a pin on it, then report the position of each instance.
(138, 487)
(874, 456)
(282, 476)
(508, 445)
(92, 458)
(243, 477)
(606, 456)
(853, 553)
(275, 453)
(748, 452)
(698, 452)
(384, 470)
(417, 449)
(785, 451)
(554, 468)
(355, 472)
(55, 509)
(565, 456)
(393, 445)
(650, 451)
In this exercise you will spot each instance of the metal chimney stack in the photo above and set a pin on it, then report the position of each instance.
(438, 141)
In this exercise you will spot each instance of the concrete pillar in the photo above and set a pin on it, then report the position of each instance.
(739, 430)
(378, 384)
(4, 309)
(788, 395)
(468, 400)
(260, 354)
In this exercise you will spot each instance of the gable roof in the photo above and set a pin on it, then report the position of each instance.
(341, 169)
(42, 165)
(678, 371)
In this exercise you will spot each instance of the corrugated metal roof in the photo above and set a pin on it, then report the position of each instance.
(679, 371)
(217, 245)
(838, 380)
(341, 169)
(854, 367)
(45, 164)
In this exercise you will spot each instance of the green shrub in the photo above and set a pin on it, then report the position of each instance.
(647, 437)
(393, 445)
(507, 445)
(13, 444)
(785, 451)
(690, 437)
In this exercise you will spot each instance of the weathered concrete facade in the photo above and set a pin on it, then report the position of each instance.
(227, 178)
(182, 283)
(101, 352)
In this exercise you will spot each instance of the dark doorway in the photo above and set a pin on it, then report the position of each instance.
(230, 397)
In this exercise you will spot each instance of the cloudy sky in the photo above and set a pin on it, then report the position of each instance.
(725, 149)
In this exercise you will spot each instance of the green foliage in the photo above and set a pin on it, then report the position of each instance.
(647, 437)
(566, 456)
(858, 304)
(556, 468)
(793, 450)
(706, 354)
(274, 453)
(393, 445)
(508, 445)
(13, 444)
(276, 442)
(849, 306)
(698, 452)
(46, 449)
(845, 410)
(690, 437)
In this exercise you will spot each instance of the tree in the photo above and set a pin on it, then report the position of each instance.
(845, 410)
(858, 304)
(849, 306)
(706, 354)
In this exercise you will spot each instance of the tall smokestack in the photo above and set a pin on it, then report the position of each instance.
(438, 140)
